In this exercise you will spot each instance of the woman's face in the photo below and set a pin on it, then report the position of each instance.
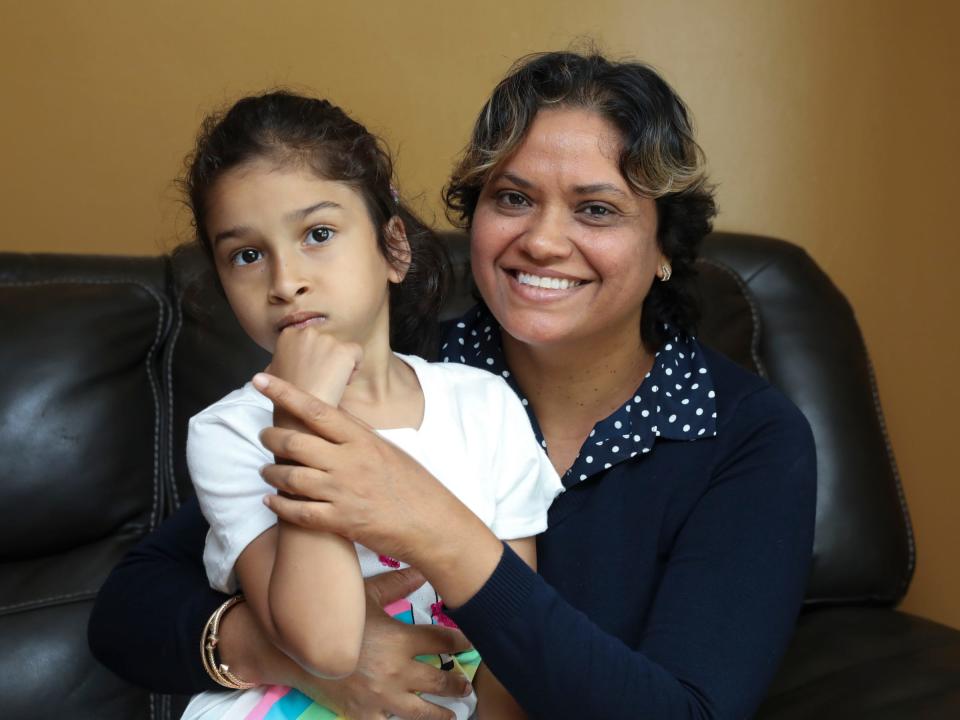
(563, 251)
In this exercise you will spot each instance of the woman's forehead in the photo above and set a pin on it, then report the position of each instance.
(576, 147)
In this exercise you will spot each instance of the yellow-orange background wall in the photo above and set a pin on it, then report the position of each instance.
(831, 123)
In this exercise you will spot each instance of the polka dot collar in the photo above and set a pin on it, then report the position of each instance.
(675, 401)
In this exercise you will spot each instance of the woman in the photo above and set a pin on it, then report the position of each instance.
(675, 562)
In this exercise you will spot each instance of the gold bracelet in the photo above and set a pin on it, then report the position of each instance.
(209, 640)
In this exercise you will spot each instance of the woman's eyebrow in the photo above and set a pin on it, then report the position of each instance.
(304, 212)
(515, 179)
(598, 188)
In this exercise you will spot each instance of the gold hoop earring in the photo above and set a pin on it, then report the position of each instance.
(665, 272)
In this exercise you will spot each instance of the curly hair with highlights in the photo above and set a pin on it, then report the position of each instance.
(659, 159)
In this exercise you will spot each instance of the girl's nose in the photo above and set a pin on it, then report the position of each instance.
(286, 282)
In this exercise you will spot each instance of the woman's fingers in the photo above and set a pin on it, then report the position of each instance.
(435, 639)
(388, 587)
(299, 481)
(325, 420)
(299, 447)
(308, 514)
(428, 679)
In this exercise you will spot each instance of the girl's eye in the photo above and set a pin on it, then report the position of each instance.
(246, 256)
(320, 234)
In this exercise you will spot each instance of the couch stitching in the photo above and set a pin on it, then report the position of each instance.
(878, 410)
(754, 312)
(171, 349)
(154, 513)
(50, 600)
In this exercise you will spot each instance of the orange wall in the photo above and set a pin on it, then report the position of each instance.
(831, 124)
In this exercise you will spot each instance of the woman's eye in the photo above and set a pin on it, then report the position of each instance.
(320, 234)
(597, 211)
(245, 256)
(512, 199)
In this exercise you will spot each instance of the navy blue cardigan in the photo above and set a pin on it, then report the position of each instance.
(668, 588)
(669, 584)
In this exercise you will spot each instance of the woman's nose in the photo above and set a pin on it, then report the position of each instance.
(547, 238)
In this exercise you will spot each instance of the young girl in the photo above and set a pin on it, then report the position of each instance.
(325, 268)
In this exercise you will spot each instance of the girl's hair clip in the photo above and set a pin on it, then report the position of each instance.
(395, 195)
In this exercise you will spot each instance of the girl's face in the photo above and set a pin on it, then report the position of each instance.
(563, 251)
(293, 249)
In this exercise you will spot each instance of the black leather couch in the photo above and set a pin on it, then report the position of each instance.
(105, 358)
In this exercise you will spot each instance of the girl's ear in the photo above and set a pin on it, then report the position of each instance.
(398, 248)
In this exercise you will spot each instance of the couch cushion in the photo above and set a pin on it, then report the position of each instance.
(867, 663)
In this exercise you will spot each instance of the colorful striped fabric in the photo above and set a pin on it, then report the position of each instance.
(283, 703)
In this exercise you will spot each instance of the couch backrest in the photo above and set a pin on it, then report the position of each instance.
(82, 412)
(767, 306)
(810, 346)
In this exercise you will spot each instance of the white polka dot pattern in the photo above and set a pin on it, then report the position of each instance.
(685, 411)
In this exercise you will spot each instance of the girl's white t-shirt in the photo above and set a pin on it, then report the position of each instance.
(475, 438)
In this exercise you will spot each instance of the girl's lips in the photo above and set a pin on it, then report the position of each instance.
(301, 320)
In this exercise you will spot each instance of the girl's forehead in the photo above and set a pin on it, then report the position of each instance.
(265, 191)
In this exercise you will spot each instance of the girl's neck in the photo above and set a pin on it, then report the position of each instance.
(385, 391)
(571, 389)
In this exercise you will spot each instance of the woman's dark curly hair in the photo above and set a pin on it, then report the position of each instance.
(293, 130)
(659, 159)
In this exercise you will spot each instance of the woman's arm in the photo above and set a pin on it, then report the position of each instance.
(493, 700)
(149, 615)
(723, 614)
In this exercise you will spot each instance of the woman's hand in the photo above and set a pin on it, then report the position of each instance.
(387, 679)
(352, 482)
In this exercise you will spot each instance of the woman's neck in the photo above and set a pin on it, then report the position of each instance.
(572, 388)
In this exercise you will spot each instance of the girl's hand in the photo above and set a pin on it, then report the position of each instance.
(315, 361)
(387, 679)
(350, 481)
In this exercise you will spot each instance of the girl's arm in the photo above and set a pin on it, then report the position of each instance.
(305, 584)
(149, 615)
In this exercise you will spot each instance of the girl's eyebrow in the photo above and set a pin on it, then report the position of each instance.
(305, 212)
(240, 231)
(235, 232)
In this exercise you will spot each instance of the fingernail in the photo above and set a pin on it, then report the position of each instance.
(467, 690)
(266, 500)
(260, 380)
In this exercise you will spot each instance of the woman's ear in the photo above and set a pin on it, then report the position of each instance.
(398, 248)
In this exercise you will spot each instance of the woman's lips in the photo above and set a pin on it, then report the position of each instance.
(548, 283)
(542, 287)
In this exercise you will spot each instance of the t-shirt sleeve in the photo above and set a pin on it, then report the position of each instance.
(526, 482)
(224, 455)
